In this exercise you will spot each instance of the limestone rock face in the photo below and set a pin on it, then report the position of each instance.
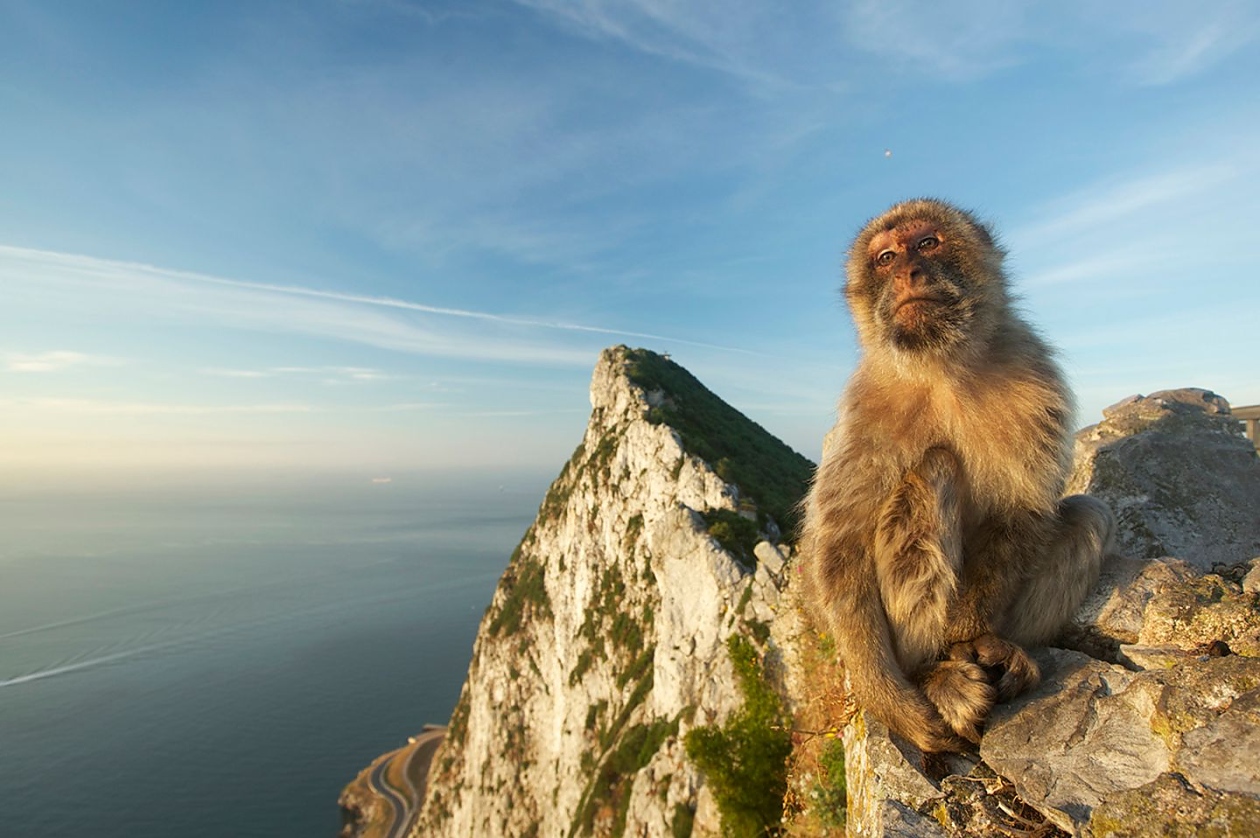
(606, 639)
(1151, 724)
(1165, 604)
(1180, 476)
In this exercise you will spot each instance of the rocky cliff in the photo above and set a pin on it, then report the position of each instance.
(644, 663)
(608, 637)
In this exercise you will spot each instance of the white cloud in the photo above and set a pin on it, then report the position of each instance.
(958, 41)
(519, 413)
(42, 362)
(337, 374)
(1140, 41)
(720, 36)
(1106, 266)
(51, 361)
(1187, 39)
(1137, 235)
(1173, 61)
(225, 373)
(62, 407)
(97, 407)
(384, 322)
(1141, 197)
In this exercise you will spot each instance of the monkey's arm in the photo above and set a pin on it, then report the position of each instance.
(848, 600)
(996, 564)
(852, 613)
(918, 556)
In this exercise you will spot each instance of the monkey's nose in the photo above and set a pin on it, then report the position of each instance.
(912, 275)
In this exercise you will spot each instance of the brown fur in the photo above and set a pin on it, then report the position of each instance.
(935, 539)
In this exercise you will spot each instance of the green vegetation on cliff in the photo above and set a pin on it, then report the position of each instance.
(611, 786)
(766, 471)
(746, 758)
(737, 535)
(524, 584)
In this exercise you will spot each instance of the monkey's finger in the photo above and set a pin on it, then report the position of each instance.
(1021, 675)
(965, 651)
(991, 650)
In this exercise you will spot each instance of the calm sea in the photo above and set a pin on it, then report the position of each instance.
(220, 663)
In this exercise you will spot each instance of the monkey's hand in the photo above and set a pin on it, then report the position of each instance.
(1007, 665)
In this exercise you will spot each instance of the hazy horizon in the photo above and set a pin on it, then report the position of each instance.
(171, 484)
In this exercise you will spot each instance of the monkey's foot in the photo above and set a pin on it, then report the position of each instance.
(934, 736)
(961, 693)
(1009, 667)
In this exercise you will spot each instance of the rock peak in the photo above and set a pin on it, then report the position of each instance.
(606, 641)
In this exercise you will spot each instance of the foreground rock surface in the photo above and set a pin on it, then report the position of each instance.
(1094, 734)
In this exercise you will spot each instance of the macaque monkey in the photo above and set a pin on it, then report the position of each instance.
(936, 542)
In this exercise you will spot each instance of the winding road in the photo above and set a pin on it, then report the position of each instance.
(405, 804)
(402, 811)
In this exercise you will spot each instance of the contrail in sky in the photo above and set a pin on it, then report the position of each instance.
(391, 302)
(94, 265)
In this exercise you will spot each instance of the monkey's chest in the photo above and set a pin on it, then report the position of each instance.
(1003, 464)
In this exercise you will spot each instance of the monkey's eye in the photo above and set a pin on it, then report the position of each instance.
(885, 258)
(927, 243)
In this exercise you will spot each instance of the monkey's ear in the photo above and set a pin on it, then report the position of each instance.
(988, 238)
(985, 233)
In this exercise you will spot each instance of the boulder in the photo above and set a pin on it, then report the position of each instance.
(1095, 733)
(1179, 474)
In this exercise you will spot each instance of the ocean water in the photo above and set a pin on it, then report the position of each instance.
(221, 662)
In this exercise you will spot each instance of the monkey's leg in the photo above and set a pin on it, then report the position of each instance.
(1004, 555)
(1056, 582)
(918, 554)
(1066, 573)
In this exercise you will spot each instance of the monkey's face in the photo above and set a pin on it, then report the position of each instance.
(920, 294)
(921, 277)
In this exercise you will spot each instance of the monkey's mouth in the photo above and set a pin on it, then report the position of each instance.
(913, 303)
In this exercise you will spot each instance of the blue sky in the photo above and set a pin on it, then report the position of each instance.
(375, 236)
